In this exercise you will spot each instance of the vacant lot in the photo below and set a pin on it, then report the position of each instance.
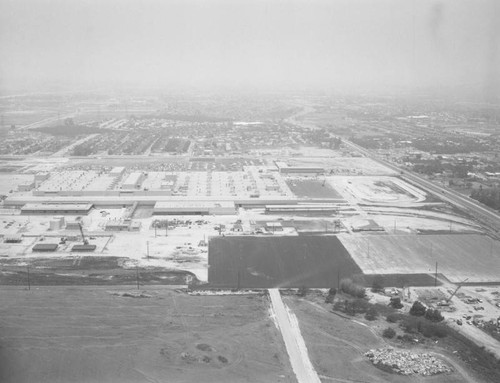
(459, 256)
(58, 334)
(311, 261)
(312, 189)
(336, 347)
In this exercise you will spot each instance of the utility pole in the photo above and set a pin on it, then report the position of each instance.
(155, 230)
(166, 229)
(394, 226)
(147, 245)
(137, 275)
(436, 275)
(28, 269)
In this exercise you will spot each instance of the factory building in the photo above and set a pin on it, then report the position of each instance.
(134, 181)
(117, 171)
(37, 208)
(26, 186)
(194, 208)
(284, 168)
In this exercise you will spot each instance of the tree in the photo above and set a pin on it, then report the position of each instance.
(371, 314)
(389, 333)
(418, 309)
(396, 303)
(331, 295)
(433, 315)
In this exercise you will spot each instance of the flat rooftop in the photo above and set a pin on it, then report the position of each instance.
(192, 204)
(62, 207)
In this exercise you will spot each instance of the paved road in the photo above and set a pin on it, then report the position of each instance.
(46, 121)
(485, 215)
(295, 345)
(66, 149)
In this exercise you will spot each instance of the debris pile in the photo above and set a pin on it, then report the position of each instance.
(407, 363)
(132, 294)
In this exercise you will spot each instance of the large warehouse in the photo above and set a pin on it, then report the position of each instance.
(194, 208)
(38, 208)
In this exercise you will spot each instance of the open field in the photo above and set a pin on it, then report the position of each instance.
(58, 334)
(265, 262)
(459, 256)
(312, 188)
(337, 346)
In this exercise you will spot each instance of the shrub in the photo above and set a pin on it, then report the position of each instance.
(433, 315)
(349, 287)
(371, 314)
(338, 306)
(430, 329)
(389, 333)
(303, 290)
(396, 303)
(331, 295)
(392, 318)
(418, 309)
(411, 324)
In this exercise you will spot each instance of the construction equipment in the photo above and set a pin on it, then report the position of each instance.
(86, 246)
(85, 242)
(458, 287)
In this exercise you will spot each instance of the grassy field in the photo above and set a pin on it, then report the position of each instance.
(459, 256)
(61, 334)
(263, 262)
(336, 347)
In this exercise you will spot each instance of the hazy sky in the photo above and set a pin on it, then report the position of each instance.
(250, 43)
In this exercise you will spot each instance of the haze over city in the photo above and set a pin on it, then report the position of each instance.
(238, 44)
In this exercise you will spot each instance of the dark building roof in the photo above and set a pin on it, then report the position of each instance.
(83, 248)
(45, 247)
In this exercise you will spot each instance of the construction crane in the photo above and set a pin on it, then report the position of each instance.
(458, 287)
(85, 242)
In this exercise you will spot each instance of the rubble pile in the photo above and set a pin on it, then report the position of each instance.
(406, 362)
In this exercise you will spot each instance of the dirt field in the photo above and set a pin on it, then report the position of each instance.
(264, 262)
(312, 189)
(66, 335)
(336, 347)
(459, 256)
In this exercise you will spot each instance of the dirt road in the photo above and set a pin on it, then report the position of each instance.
(295, 345)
